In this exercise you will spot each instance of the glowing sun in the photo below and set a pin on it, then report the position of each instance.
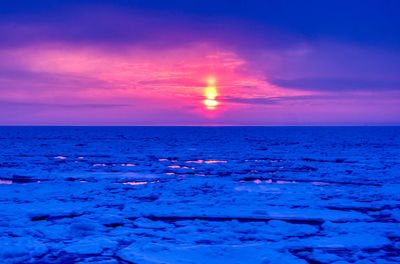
(210, 103)
(211, 94)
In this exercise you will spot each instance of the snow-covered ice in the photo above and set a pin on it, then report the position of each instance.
(200, 195)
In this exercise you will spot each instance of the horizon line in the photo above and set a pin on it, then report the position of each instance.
(337, 125)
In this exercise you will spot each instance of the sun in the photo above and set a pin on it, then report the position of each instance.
(210, 93)
(210, 103)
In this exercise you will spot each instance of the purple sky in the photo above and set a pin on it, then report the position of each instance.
(152, 63)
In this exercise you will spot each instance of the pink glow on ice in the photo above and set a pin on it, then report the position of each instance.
(135, 183)
(5, 182)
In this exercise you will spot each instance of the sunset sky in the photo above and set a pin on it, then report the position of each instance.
(199, 62)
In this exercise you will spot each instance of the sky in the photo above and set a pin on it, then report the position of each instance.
(203, 62)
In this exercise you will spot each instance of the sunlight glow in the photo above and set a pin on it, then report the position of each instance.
(211, 81)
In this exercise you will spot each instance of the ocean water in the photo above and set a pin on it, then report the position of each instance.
(200, 194)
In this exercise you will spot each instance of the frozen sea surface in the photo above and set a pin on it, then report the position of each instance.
(268, 195)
